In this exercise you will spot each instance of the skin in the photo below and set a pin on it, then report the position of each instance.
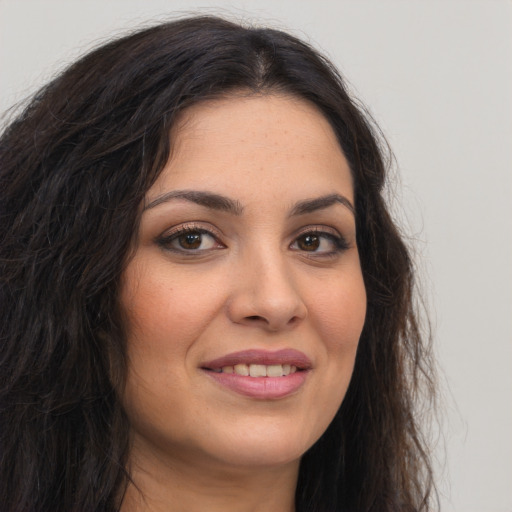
(253, 283)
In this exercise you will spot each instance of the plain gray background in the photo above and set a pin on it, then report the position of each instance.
(437, 75)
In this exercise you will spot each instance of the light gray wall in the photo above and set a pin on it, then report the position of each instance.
(437, 75)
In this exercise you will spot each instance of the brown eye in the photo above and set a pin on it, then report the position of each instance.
(319, 243)
(308, 242)
(190, 240)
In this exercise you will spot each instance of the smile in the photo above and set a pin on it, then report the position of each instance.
(258, 370)
(261, 374)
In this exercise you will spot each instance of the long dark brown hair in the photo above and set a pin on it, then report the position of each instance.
(74, 169)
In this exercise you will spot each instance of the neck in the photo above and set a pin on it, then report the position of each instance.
(177, 486)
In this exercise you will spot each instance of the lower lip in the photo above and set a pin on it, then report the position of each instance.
(263, 388)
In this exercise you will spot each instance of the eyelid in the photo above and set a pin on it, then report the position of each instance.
(203, 227)
(336, 238)
(169, 235)
(319, 230)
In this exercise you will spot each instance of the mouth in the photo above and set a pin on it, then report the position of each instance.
(261, 374)
(260, 363)
(258, 370)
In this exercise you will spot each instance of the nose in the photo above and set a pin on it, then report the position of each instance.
(266, 295)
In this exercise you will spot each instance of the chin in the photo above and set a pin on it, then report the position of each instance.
(261, 455)
(271, 446)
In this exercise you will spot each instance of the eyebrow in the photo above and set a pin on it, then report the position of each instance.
(207, 199)
(223, 203)
(320, 203)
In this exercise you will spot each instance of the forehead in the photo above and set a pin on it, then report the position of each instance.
(255, 140)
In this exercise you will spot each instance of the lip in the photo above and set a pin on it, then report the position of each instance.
(285, 356)
(262, 388)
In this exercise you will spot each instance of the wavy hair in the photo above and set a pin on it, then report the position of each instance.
(74, 168)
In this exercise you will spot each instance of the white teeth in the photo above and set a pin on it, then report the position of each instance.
(259, 370)
(275, 370)
(241, 369)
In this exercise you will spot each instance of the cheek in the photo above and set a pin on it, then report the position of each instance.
(339, 315)
(164, 309)
(337, 312)
(340, 312)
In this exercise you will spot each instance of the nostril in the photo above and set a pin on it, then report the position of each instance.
(254, 317)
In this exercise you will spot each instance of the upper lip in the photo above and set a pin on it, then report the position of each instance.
(254, 356)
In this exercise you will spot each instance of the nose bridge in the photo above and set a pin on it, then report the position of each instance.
(266, 290)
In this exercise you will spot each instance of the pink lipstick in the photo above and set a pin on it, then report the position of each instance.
(260, 374)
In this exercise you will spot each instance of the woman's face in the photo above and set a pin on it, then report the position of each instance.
(246, 263)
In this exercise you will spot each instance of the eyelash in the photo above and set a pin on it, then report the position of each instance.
(338, 242)
(166, 240)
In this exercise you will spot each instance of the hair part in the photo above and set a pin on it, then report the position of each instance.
(74, 169)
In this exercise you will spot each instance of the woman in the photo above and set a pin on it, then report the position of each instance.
(206, 305)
